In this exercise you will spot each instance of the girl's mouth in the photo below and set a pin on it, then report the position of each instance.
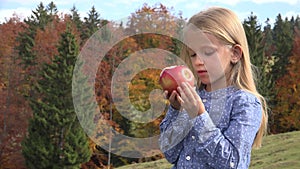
(202, 72)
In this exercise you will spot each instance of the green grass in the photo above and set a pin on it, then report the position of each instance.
(278, 151)
(281, 151)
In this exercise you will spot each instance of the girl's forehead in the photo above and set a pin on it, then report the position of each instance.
(198, 40)
(193, 36)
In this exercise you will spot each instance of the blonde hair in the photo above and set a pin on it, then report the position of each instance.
(226, 26)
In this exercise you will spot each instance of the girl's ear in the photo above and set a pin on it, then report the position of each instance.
(237, 53)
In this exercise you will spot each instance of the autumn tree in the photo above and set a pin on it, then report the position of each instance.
(38, 20)
(153, 27)
(13, 110)
(55, 138)
(115, 56)
(150, 28)
(28, 48)
(103, 86)
(286, 113)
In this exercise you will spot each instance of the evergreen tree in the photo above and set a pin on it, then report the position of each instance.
(26, 43)
(75, 17)
(40, 16)
(55, 138)
(268, 39)
(283, 38)
(52, 9)
(256, 42)
(37, 20)
(297, 23)
(91, 24)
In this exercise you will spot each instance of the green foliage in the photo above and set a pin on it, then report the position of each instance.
(26, 43)
(283, 43)
(91, 24)
(286, 112)
(262, 62)
(297, 22)
(75, 17)
(51, 98)
(56, 139)
(26, 54)
(52, 9)
(38, 19)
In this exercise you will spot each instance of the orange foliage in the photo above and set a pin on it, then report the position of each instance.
(46, 40)
(16, 112)
(13, 110)
(286, 113)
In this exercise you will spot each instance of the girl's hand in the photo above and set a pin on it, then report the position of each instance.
(173, 99)
(190, 100)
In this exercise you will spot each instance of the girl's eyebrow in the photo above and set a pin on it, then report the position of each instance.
(209, 46)
(201, 48)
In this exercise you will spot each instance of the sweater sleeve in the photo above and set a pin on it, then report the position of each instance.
(173, 129)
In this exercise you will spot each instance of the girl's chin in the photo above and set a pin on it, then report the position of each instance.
(205, 81)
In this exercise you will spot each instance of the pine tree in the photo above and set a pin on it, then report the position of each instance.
(297, 22)
(55, 138)
(26, 39)
(38, 20)
(26, 43)
(26, 55)
(91, 24)
(268, 39)
(52, 9)
(40, 16)
(283, 38)
(75, 17)
(258, 57)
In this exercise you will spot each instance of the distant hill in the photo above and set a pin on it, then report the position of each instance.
(280, 151)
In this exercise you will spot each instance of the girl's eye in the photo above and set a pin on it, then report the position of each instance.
(193, 55)
(209, 51)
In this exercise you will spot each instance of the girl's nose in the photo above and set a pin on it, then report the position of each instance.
(198, 60)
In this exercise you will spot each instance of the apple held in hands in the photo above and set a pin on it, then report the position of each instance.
(171, 77)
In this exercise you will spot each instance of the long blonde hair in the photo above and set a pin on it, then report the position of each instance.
(226, 26)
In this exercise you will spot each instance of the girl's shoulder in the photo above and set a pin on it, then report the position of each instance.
(241, 95)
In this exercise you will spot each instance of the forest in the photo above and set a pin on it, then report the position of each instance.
(38, 56)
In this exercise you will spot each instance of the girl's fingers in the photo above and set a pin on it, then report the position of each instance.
(179, 99)
(183, 95)
(188, 95)
(166, 94)
(192, 89)
(172, 96)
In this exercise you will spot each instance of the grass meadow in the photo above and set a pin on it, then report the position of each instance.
(281, 151)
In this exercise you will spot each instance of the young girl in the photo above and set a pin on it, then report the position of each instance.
(216, 125)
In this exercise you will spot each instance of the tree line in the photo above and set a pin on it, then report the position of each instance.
(39, 126)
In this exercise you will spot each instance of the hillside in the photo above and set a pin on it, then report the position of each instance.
(278, 151)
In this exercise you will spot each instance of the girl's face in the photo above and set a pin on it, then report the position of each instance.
(210, 58)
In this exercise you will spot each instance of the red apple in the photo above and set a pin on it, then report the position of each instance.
(171, 77)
